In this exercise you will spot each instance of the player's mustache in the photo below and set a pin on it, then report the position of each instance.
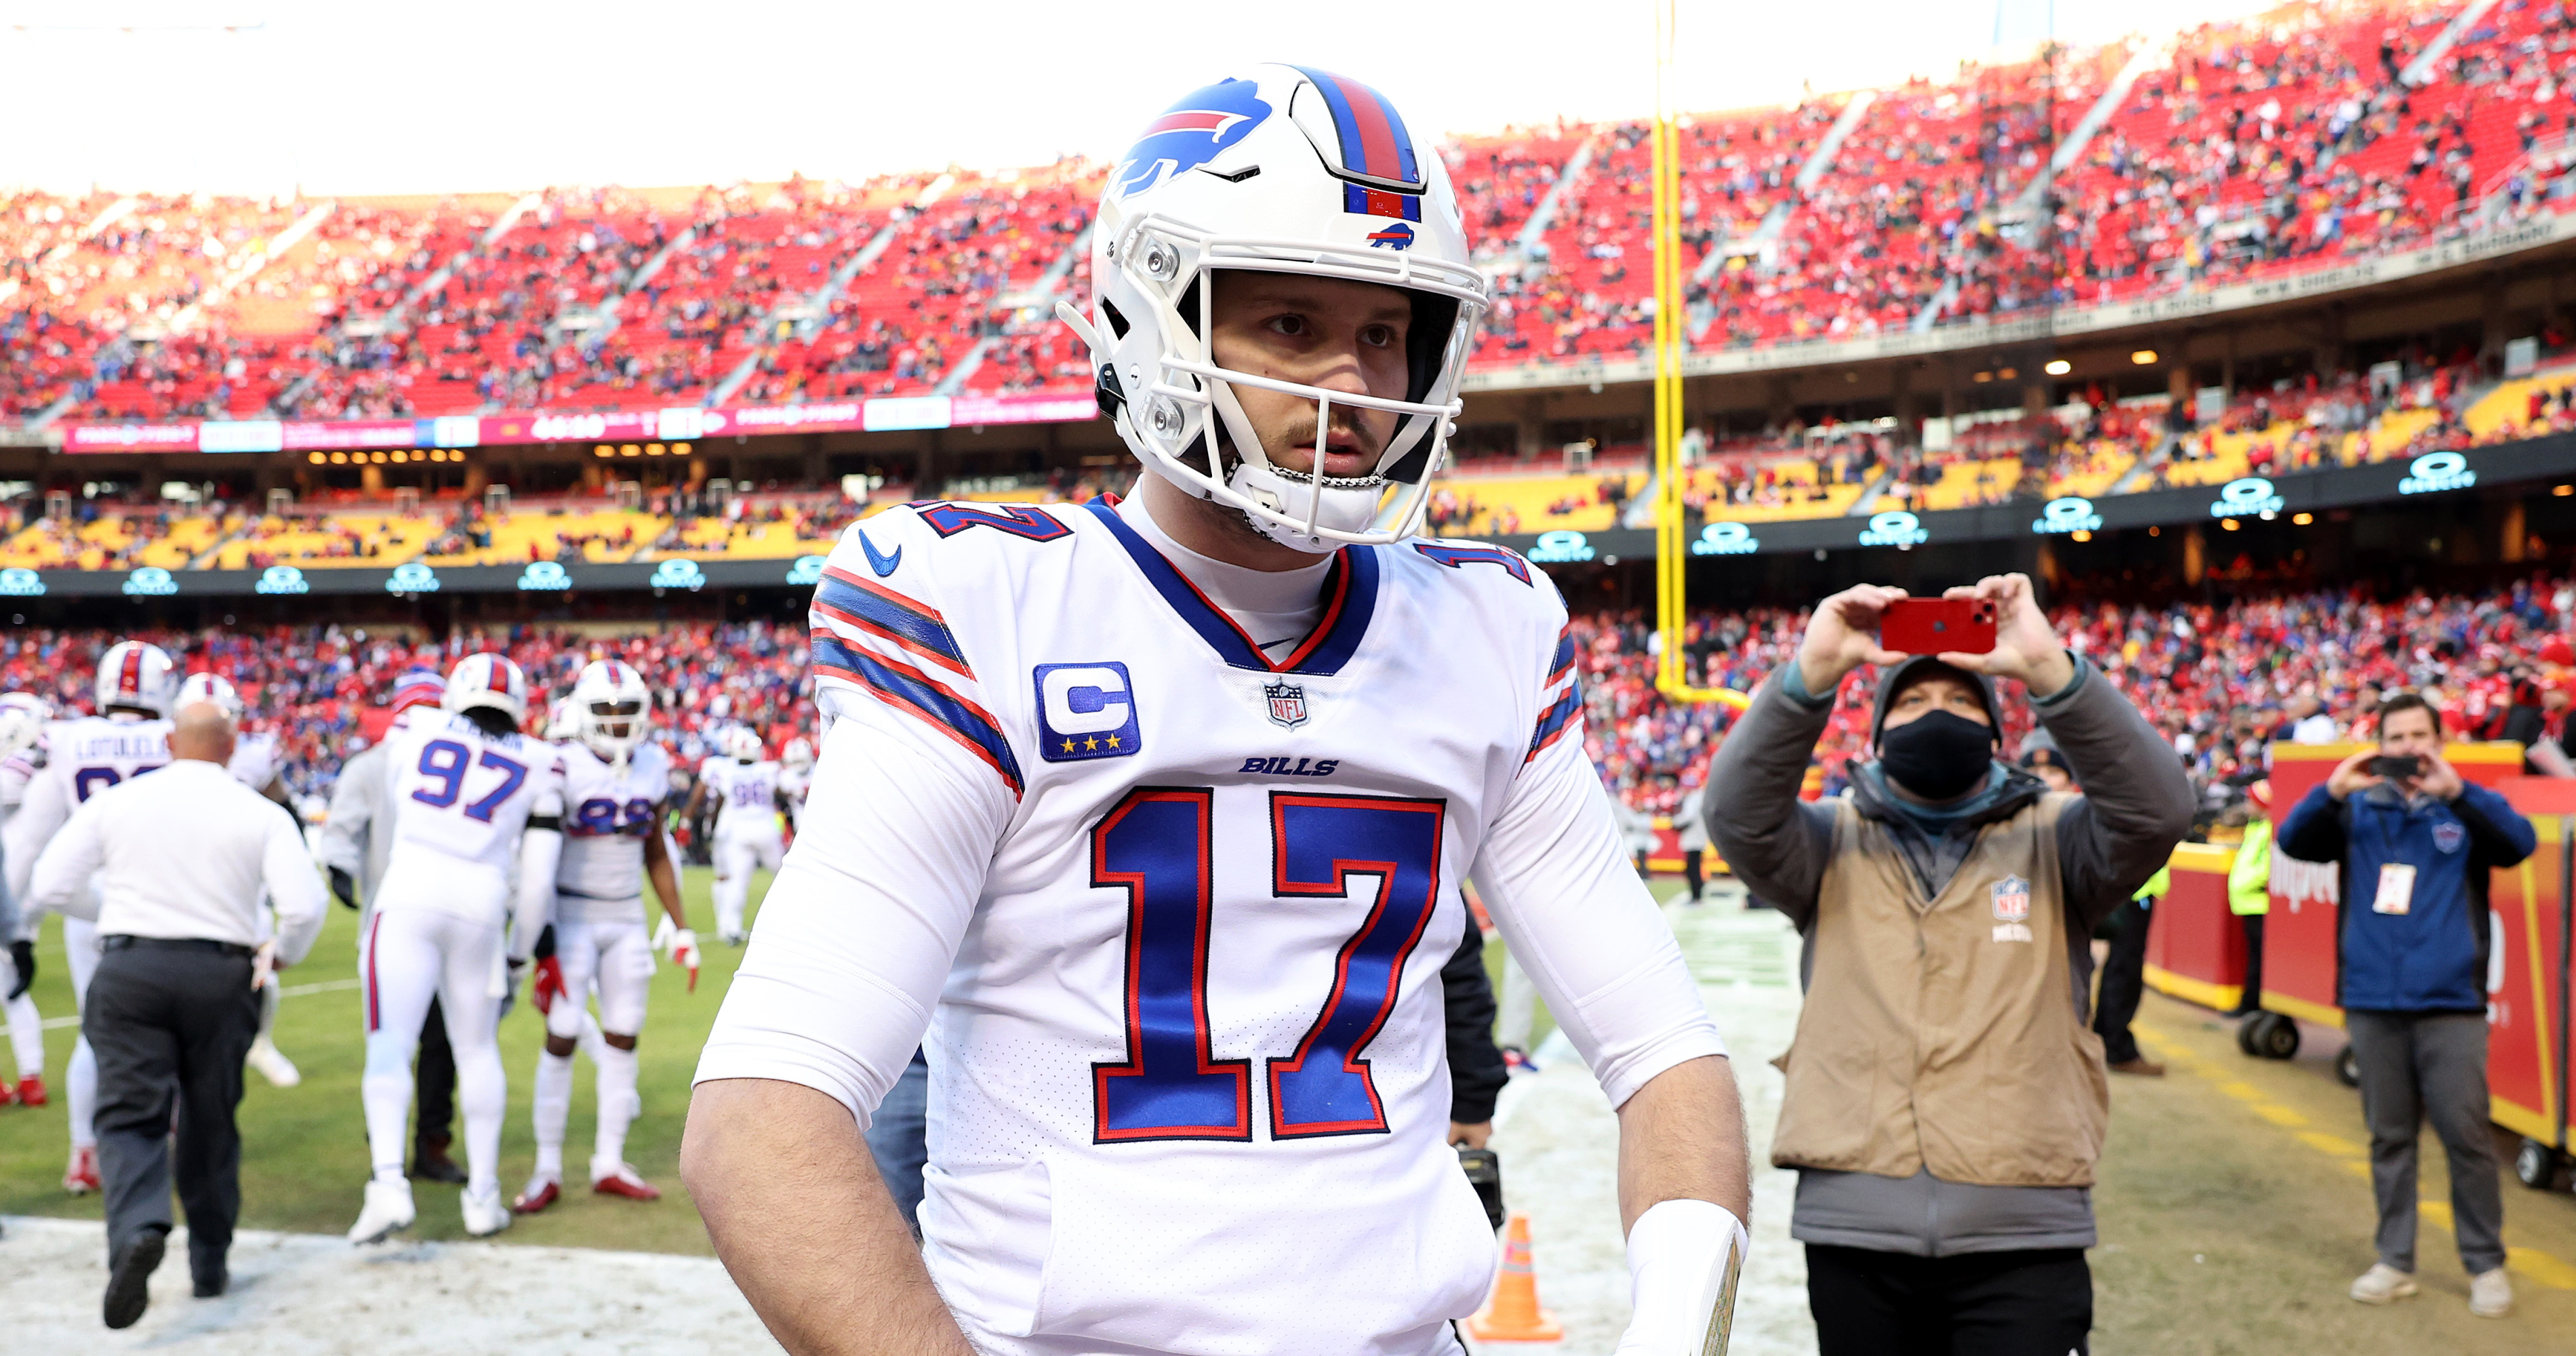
(1301, 435)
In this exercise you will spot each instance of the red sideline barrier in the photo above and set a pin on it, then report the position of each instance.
(2196, 950)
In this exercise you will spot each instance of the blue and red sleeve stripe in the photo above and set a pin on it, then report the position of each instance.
(880, 611)
(1553, 723)
(909, 689)
(1563, 663)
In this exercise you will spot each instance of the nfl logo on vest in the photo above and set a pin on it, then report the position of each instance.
(1287, 704)
(2012, 909)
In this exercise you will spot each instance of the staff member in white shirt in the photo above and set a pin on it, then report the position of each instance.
(180, 856)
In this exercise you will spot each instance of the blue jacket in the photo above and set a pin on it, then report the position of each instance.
(2433, 957)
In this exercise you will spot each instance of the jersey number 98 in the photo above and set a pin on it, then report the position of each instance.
(1156, 845)
(445, 761)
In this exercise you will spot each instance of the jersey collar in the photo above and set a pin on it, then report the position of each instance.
(1350, 599)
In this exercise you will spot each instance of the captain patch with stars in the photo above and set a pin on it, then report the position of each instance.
(1086, 711)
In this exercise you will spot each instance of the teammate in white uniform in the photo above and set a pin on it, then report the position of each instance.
(258, 763)
(129, 737)
(615, 785)
(744, 788)
(23, 717)
(796, 779)
(1154, 815)
(476, 796)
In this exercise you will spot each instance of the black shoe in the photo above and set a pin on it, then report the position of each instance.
(430, 1163)
(129, 1282)
(211, 1275)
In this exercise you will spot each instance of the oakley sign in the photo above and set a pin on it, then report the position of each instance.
(2246, 497)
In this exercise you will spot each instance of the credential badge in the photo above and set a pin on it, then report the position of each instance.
(1287, 704)
(2012, 900)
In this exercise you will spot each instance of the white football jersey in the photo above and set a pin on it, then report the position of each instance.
(16, 771)
(465, 797)
(257, 760)
(1189, 1087)
(608, 810)
(746, 795)
(81, 757)
(797, 783)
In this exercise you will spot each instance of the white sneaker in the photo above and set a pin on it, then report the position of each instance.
(2490, 1294)
(273, 1064)
(485, 1215)
(388, 1208)
(733, 938)
(2383, 1284)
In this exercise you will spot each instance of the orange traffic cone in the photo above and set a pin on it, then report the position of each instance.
(1511, 1313)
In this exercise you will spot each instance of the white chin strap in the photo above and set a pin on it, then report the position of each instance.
(1315, 501)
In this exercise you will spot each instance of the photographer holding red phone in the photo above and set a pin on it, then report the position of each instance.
(1946, 1099)
(2416, 843)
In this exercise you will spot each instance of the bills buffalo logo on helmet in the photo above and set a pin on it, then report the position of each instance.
(1190, 134)
(1394, 237)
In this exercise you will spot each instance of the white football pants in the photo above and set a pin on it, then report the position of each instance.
(737, 855)
(410, 956)
(26, 1030)
(80, 1077)
(618, 957)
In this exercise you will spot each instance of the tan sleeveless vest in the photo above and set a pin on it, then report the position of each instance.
(1943, 1033)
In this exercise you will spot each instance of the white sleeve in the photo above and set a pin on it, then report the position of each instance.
(858, 932)
(70, 858)
(1556, 874)
(48, 805)
(294, 891)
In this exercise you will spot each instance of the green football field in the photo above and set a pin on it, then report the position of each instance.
(304, 1149)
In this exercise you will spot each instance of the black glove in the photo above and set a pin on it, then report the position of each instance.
(22, 955)
(344, 887)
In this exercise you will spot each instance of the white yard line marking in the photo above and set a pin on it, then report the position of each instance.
(290, 991)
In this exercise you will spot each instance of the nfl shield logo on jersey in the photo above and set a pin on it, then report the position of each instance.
(1287, 704)
(2012, 900)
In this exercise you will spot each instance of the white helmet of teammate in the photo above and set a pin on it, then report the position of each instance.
(488, 680)
(1285, 170)
(561, 724)
(743, 744)
(22, 720)
(210, 687)
(134, 676)
(799, 754)
(610, 706)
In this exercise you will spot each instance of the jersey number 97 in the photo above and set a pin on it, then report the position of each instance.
(445, 762)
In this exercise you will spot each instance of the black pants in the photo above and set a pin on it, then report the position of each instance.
(2037, 1303)
(170, 1024)
(2252, 923)
(1690, 872)
(2124, 979)
(436, 1077)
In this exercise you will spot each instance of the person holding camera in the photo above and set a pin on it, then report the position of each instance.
(2415, 843)
(1946, 1100)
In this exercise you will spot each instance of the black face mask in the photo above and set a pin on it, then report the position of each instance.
(1939, 755)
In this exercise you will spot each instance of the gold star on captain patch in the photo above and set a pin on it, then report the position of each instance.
(1113, 741)
(1091, 744)
(1068, 746)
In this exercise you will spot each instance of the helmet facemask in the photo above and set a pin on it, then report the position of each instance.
(612, 728)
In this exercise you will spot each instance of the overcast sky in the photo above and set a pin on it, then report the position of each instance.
(476, 94)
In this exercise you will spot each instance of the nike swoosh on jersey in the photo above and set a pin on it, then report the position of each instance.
(882, 563)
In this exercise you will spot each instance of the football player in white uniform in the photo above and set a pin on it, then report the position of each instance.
(23, 716)
(1154, 816)
(796, 778)
(614, 787)
(128, 737)
(477, 797)
(744, 789)
(258, 763)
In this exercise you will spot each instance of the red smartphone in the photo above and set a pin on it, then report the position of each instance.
(1933, 625)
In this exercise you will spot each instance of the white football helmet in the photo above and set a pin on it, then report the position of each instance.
(561, 723)
(488, 680)
(210, 687)
(1285, 170)
(743, 744)
(133, 676)
(22, 721)
(610, 706)
(799, 754)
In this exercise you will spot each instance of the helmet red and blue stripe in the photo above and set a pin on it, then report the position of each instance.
(1374, 143)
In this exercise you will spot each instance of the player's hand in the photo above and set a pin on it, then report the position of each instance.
(1842, 635)
(2353, 774)
(22, 955)
(1470, 1136)
(684, 951)
(344, 888)
(548, 985)
(2026, 649)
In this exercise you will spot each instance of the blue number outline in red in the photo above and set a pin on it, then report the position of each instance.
(1459, 557)
(1017, 519)
(1109, 1081)
(1387, 921)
